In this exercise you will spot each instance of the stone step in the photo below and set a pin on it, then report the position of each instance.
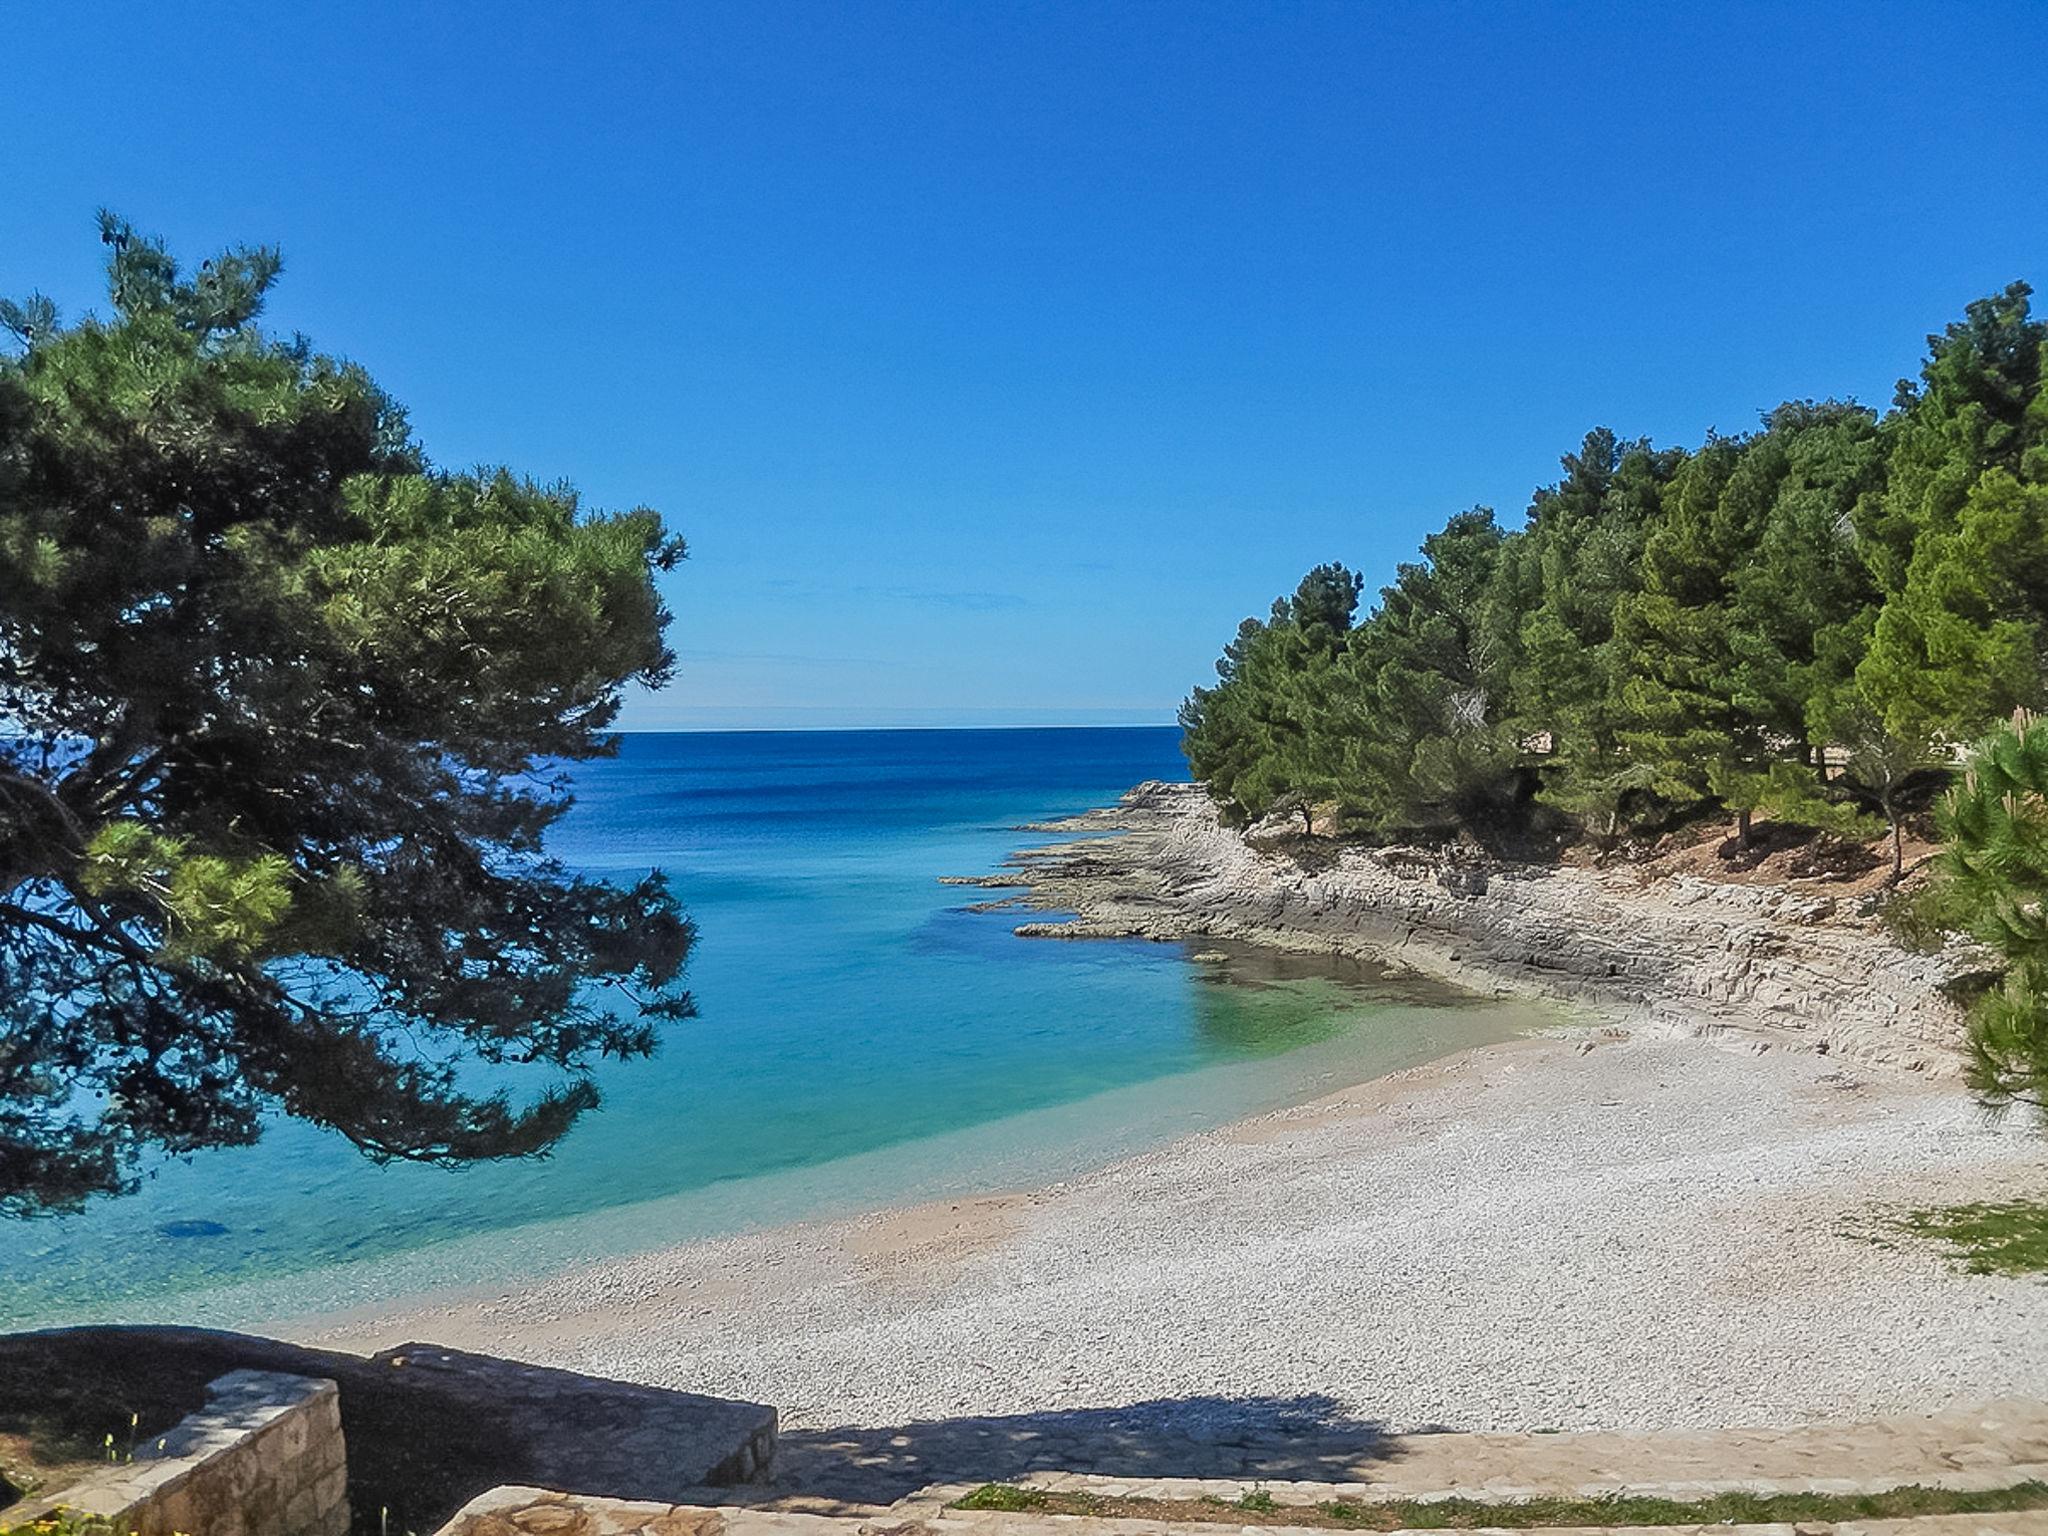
(1989, 1445)
(536, 1512)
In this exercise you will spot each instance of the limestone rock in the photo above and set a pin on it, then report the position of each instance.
(1682, 954)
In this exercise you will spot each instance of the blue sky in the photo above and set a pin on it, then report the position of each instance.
(996, 358)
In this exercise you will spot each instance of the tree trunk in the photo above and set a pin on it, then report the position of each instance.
(1308, 819)
(1898, 847)
(1742, 828)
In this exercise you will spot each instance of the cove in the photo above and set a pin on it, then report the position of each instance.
(863, 1040)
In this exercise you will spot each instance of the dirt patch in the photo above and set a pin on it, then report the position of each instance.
(1799, 858)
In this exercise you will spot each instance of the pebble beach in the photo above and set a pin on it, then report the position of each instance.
(1582, 1232)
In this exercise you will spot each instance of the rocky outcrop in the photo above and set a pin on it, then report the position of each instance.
(1679, 951)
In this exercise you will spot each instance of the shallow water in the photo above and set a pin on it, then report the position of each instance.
(863, 1041)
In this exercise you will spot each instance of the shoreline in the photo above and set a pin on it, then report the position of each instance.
(1653, 1225)
(875, 1232)
(1645, 1233)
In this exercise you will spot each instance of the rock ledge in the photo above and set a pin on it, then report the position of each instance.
(1682, 953)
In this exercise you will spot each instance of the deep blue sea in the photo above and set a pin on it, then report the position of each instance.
(863, 1041)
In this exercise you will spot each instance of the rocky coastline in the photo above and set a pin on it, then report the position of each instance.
(1673, 953)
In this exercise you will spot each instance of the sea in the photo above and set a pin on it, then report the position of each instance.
(864, 1040)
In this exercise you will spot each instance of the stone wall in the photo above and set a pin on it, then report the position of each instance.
(265, 1457)
(430, 1427)
(586, 1434)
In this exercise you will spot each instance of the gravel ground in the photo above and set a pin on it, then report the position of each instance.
(1646, 1233)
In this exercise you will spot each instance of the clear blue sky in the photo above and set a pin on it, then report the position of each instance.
(997, 358)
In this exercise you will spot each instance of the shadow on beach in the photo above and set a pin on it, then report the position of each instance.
(1304, 1438)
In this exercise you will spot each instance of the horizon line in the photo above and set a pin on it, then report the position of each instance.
(798, 730)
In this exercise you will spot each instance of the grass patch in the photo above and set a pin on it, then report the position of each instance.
(2002, 1237)
(1006, 1497)
(1469, 1514)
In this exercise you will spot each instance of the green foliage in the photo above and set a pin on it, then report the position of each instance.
(1881, 767)
(1559, 663)
(1684, 719)
(1994, 868)
(1006, 1497)
(2002, 1237)
(1977, 406)
(284, 714)
(1961, 643)
(1674, 634)
(1789, 792)
(1922, 920)
(212, 906)
(1413, 701)
(1252, 737)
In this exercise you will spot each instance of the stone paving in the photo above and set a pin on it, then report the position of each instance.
(1126, 1452)
(851, 1483)
(536, 1512)
(1991, 1446)
(589, 1433)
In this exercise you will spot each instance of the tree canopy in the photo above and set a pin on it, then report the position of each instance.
(1815, 619)
(1799, 619)
(285, 712)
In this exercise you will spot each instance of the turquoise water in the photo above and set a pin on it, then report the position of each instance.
(863, 1040)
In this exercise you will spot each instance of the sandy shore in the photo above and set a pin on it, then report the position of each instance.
(1649, 1232)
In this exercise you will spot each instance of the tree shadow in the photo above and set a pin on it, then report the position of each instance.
(1834, 858)
(1766, 838)
(1301, 1438)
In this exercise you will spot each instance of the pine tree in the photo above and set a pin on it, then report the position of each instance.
(1729, 627)
(1801, 608)
(283, 712)
(1251, 737)
(1218, 732)
(1550, 631)
(1686, 721)
(1976, 406)
(1995, 868)
(1880, 768)
(1417, 709)
(1962, 643)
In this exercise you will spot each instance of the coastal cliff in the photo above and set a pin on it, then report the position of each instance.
(1676, 951)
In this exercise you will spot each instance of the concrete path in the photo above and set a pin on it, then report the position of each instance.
(1991, 1445)
(535, 1512)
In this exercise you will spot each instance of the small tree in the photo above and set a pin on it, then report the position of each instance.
(1790, 793)
(1882, 766)
(1254, 738)
(1995, 869)
(282, 714)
